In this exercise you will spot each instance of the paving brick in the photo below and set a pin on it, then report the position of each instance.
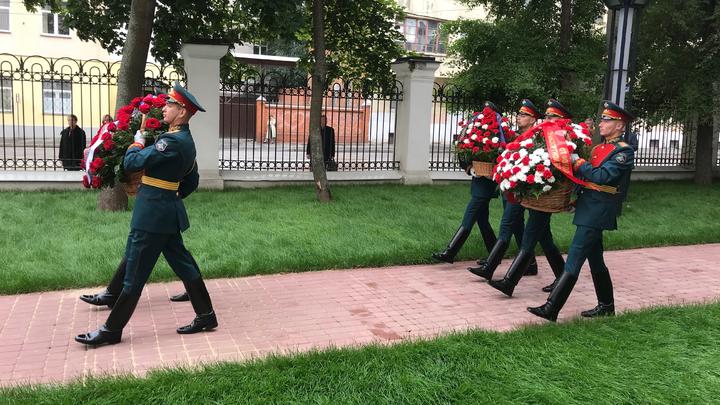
(297, 312)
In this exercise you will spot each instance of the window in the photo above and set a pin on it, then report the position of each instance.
(6, 98)
(654, 143)
(674, 144)
(57, 97)
(4, 15)
(53, 23)
(423, 35)
(260, 49)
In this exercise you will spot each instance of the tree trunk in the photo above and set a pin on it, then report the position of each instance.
(704, 159)
(564, 45)
(112, 199)
(130, 81)
(317, 160)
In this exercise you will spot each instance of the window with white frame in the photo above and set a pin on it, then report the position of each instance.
(57, 97)
(4, 15)
(53, 23)
(423, 35)
(6, 94)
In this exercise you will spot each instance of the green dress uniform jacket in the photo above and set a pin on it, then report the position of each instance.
(610, 166)
(171, 159)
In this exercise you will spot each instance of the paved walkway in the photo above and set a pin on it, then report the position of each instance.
(295, 312)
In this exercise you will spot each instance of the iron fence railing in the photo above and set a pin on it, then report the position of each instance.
(37, 96)
(264, 124)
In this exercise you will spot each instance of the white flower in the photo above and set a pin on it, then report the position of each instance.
(473, 137)
(546, 188)
(526, 142)
(521, 176)
(477, 124)
(484, 126)
(523, 153)
(534, 159)
(505, 185)
(539, 179)
(545, 156)
(480, 116)
(525, 169)
(466, 141)
(539, 151)
(572, 145)
(504, 124)
(495, 139)
(551, 179)
(546, 162)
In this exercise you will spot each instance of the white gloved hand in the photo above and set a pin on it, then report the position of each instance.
(139, 138)
(574, 157)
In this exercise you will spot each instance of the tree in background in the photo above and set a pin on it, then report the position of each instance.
(532, 48)
(678, 66)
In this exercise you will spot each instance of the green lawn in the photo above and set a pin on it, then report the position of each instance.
(666, 356)
(56, 240)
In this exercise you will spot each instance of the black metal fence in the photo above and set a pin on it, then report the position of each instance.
(39, 93)
(264, 124)
(669, 143)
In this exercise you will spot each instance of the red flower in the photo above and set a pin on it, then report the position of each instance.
(86, 181)
(475, 149)
(123, 117)
(516, 156)
(148, 99)
(525, 160)
(516, 170)
(109, 144)
(506, 175)
(158, 102)
(144, 108)
(530, 179)
(587, 141)
(106, 136)
(162, 96)
(111, 127)
(96, 182)
(123, 126)
(461, 123)
(152, 123)
(486, 148)
(540, 168)
(547, 174)
(513, 184)
(128, 109)
(97, 164)
(136, 101)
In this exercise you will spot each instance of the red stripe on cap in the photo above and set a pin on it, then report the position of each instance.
(555, 111)
(184, 101)
(529, 112)
(612, 114)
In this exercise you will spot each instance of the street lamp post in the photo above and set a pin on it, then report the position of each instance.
(622, 19)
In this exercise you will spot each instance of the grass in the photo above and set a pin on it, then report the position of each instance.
(56, 240)
(664, 355)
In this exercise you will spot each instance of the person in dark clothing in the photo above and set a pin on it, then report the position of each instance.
(328, 142)
(72, 144)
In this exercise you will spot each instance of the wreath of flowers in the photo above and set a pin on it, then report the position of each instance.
(483, 136)
(103, 159)
(525, 167)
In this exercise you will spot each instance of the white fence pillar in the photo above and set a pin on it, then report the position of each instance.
(202, 67)
(414, 117)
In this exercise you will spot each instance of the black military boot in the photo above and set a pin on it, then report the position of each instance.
(205, 316)
(457, 241)
(112, 292)
(557, 264)
(604, 292)
(493, 261)
(111, 332)
(557, 298)
(180, 297)
(532, 268)
(514, 273)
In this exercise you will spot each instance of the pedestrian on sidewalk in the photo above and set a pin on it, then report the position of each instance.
(72, 144)
(158, 219)
(596, 210)
(537, 229)
(513, 220)
(477, 211)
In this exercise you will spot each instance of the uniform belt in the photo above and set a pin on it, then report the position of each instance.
(159, 183)
(602, 188)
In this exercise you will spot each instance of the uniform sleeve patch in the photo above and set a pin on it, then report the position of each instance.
(161, 145)
(620, 158)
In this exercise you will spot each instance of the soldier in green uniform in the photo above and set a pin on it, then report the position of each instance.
(513, 220)
(537, 229)
(158, 219)
(596, 210)
(482, 190)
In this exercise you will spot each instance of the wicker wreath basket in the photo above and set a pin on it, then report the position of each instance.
(555, 200)
(134, 180)
(484, 169)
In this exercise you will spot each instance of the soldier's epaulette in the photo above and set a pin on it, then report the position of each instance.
(622, 144)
